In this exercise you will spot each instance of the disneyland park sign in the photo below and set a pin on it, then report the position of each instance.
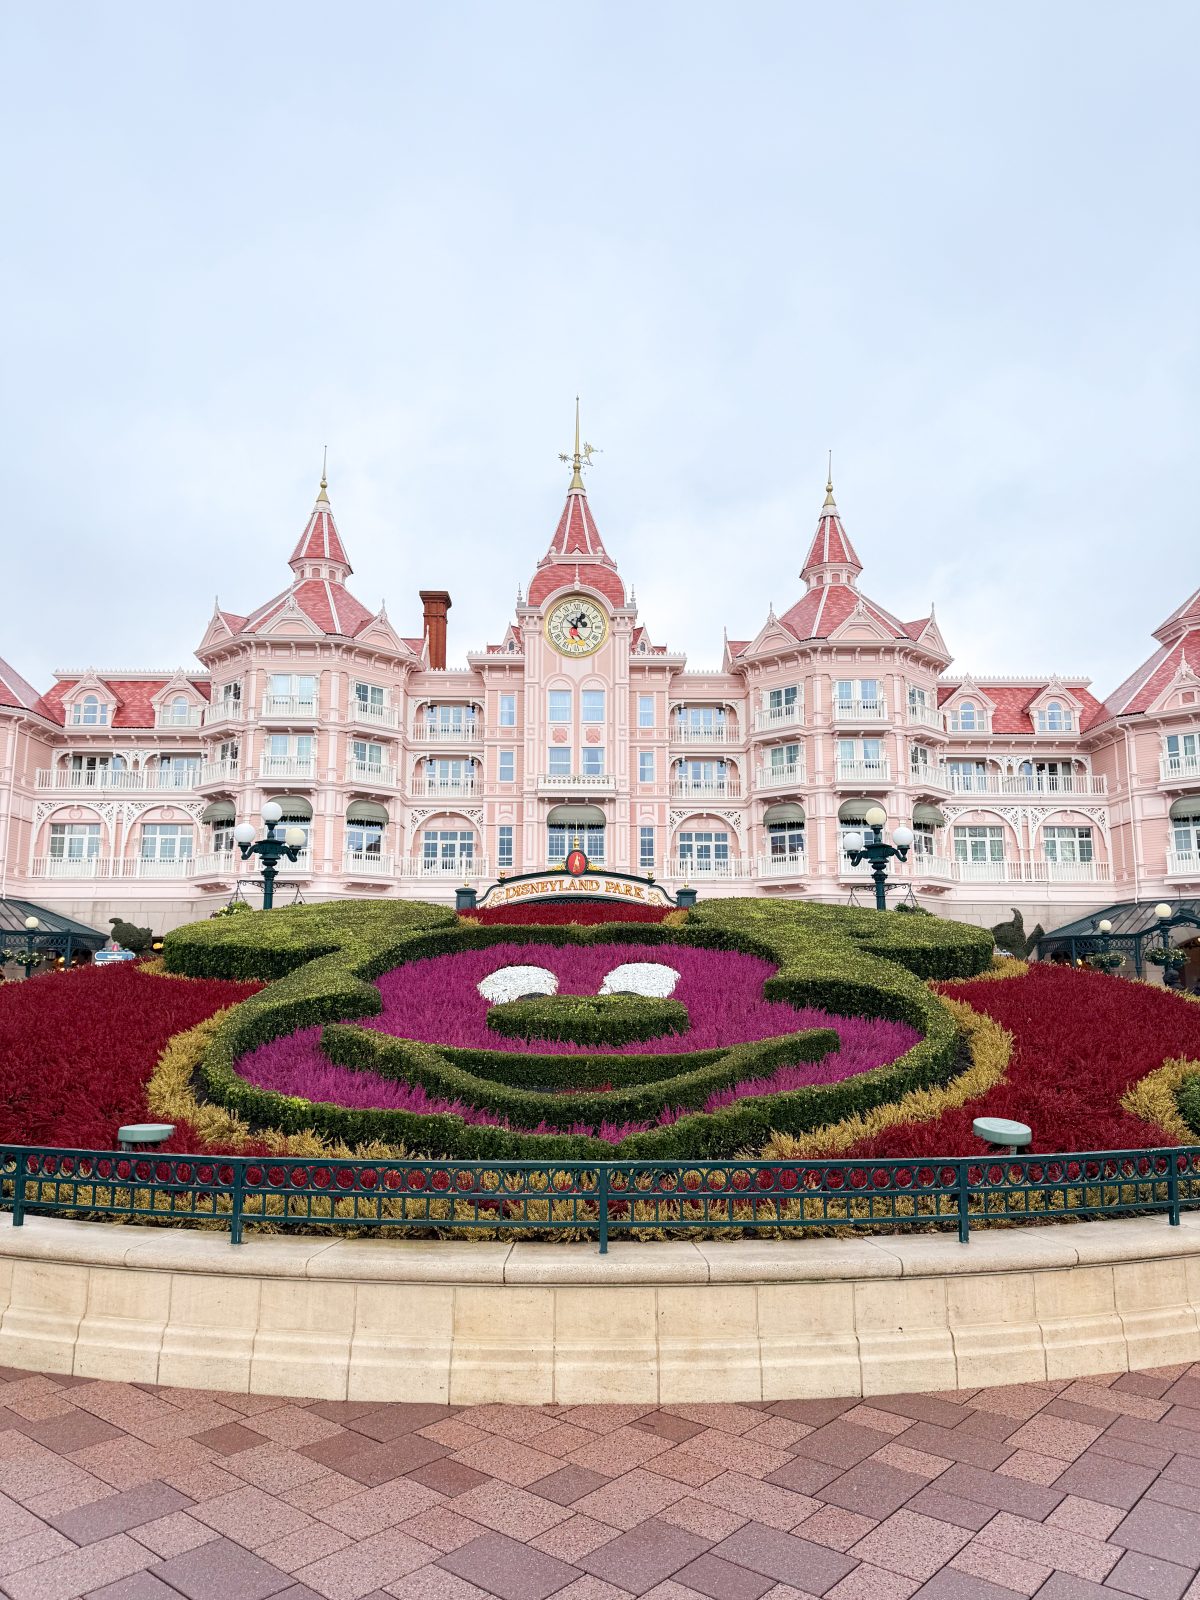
(566, 884)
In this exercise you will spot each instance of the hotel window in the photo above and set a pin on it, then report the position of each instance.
(504, 846)
(369, 697)
(593, 760)
(645, 711)
(450, 719)
(646, 849)
(364, 838)
(1056, 718)
(784, 759)
(285, 747)
(703, 774)
(702, 721)
(965, 718)
(782, 703)
(74, 841)
(645, 766)
(94, 768)
(222, 841)
(508, 710)
(178, 772)
(592, 705)
(443, 848)
(867, 753)
(1185, 834)
(298, 688)
(367, 754)
(508, 766)
(90, 712)
(560, 761)
(968, 776)
(703, 850)
(297, 819)
(560, 705)
(560, 838)
(922, 844)
(918, 703)
(228, 752)
(441, 772)
(1045, 776)
(166, 841)
(863, 692)
(978, 843)
(1182, 750)
(918, 760)
(230, 699)
(1068, 844)
(785, 839)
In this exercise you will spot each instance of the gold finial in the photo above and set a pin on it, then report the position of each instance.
(324, 480)
(582, 456)
(829, 500)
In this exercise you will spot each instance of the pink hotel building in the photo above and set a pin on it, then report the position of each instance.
(119, 790)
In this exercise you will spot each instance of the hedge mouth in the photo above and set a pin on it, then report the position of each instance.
(584, 1019)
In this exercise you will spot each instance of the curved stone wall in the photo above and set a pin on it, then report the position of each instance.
(392, 1319)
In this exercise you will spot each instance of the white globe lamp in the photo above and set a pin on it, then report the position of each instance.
(296, 837)
(903, 838)
(271, 813)
(244, 833)
(31, 923)
(853, 841)
(1162, 910)
(875, 817)
(1104, 926)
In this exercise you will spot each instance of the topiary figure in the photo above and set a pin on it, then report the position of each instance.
(129, 936)
(1011, 936)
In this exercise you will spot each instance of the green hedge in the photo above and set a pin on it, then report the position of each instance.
(841, 959)
(611, 1019)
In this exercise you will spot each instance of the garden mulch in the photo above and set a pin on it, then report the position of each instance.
(1085, 1490)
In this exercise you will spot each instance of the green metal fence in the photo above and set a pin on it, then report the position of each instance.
(603, 1199)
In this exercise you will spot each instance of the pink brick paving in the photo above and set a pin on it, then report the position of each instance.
(1068, 1491)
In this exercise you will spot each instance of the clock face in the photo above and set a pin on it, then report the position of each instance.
(576, 626)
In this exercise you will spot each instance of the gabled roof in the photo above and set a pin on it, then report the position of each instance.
(132, 699)
(1182, 620)
(1143, 687)
(823, 610)
(328, 605)
(14, 690)
(1013, 703)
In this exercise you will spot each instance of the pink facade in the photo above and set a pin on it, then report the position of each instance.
(119, 790)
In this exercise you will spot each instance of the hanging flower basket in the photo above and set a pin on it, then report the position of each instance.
(1106, 961)
(1172, 958)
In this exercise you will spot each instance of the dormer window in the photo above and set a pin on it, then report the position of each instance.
(90, 712)
(965, 717)
(1056, 718)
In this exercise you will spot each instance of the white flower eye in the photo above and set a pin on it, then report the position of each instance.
(513, 983)
(653, 978)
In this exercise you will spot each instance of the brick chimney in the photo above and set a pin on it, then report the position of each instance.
(436, 603)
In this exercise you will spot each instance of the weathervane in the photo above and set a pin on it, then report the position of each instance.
(582, 456)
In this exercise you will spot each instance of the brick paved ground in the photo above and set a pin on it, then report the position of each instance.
(1068, 1491)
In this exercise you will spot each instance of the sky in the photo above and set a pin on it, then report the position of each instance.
(957, 245)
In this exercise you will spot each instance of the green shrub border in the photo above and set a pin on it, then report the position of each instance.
(322, 960)
(585, 1019)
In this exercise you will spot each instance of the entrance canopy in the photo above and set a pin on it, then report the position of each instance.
(1134, 926)
(54, 931)
(575, 816)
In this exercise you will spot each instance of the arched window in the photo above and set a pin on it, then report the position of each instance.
(1054, 717)
(968, 716)
(91, 712)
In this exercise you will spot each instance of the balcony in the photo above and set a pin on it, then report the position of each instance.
(222, 774)
(366, 864)
(462, 869)
(859, 713)
(302, 768)
(1017, 786)
(771, 719)
(781, 777)
(1180, 772)
(218, 866)
(577, 783)
(929, 780)
(689, 734)
(468, 732)
(1032, 871)
(875, 774)
(371, 775)
(717, 789)
(175, 778)
(371, 716)
(938, 869)
(442, 788)
(191, 717)
(1183, 864)
(925, 717)
(76, 778)
(221, 711)
(693, 869)
(288, 708)
(111, 867)
(782, 866)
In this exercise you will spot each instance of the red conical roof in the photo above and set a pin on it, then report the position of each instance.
(577, 555)
(321, 545)
(831, 551)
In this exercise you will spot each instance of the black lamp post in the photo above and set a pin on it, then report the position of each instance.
(270, 850)
(31, 926)
(1165, 912)
(873, 850)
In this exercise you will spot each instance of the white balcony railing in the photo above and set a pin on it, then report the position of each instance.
(222, 711)
(111, 867)
(468, 732)
(156, 867)
(577, 783)
(302, 767)
(927, 866)
(288, 707)
(372, 715)
(929, 778)
(366, 864)
(1032, 871)
(223, 772)
(442, 788)
(89, 778)
(1019, 784)
(1179, 769)
(218, 864)
(870, 772)
(860, 711)
(924, 717)
(718, 789)
(781, 777)
(461, 870)
(167, 717)
(769, 718)
(378, 775)
(689, 734)
(186, 776)
(781, 866)
(1183, 864)
(70, 867)
(690, 868)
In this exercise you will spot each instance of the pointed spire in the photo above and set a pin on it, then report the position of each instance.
(320, 552)
(831, 557)
(321, 494)
(581, 458)
(829, 500)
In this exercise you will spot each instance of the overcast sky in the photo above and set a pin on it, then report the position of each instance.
(957, 243)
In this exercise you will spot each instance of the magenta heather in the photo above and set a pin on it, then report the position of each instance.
(437, 1001)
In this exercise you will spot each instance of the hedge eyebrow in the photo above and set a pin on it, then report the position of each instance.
(322, 960)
